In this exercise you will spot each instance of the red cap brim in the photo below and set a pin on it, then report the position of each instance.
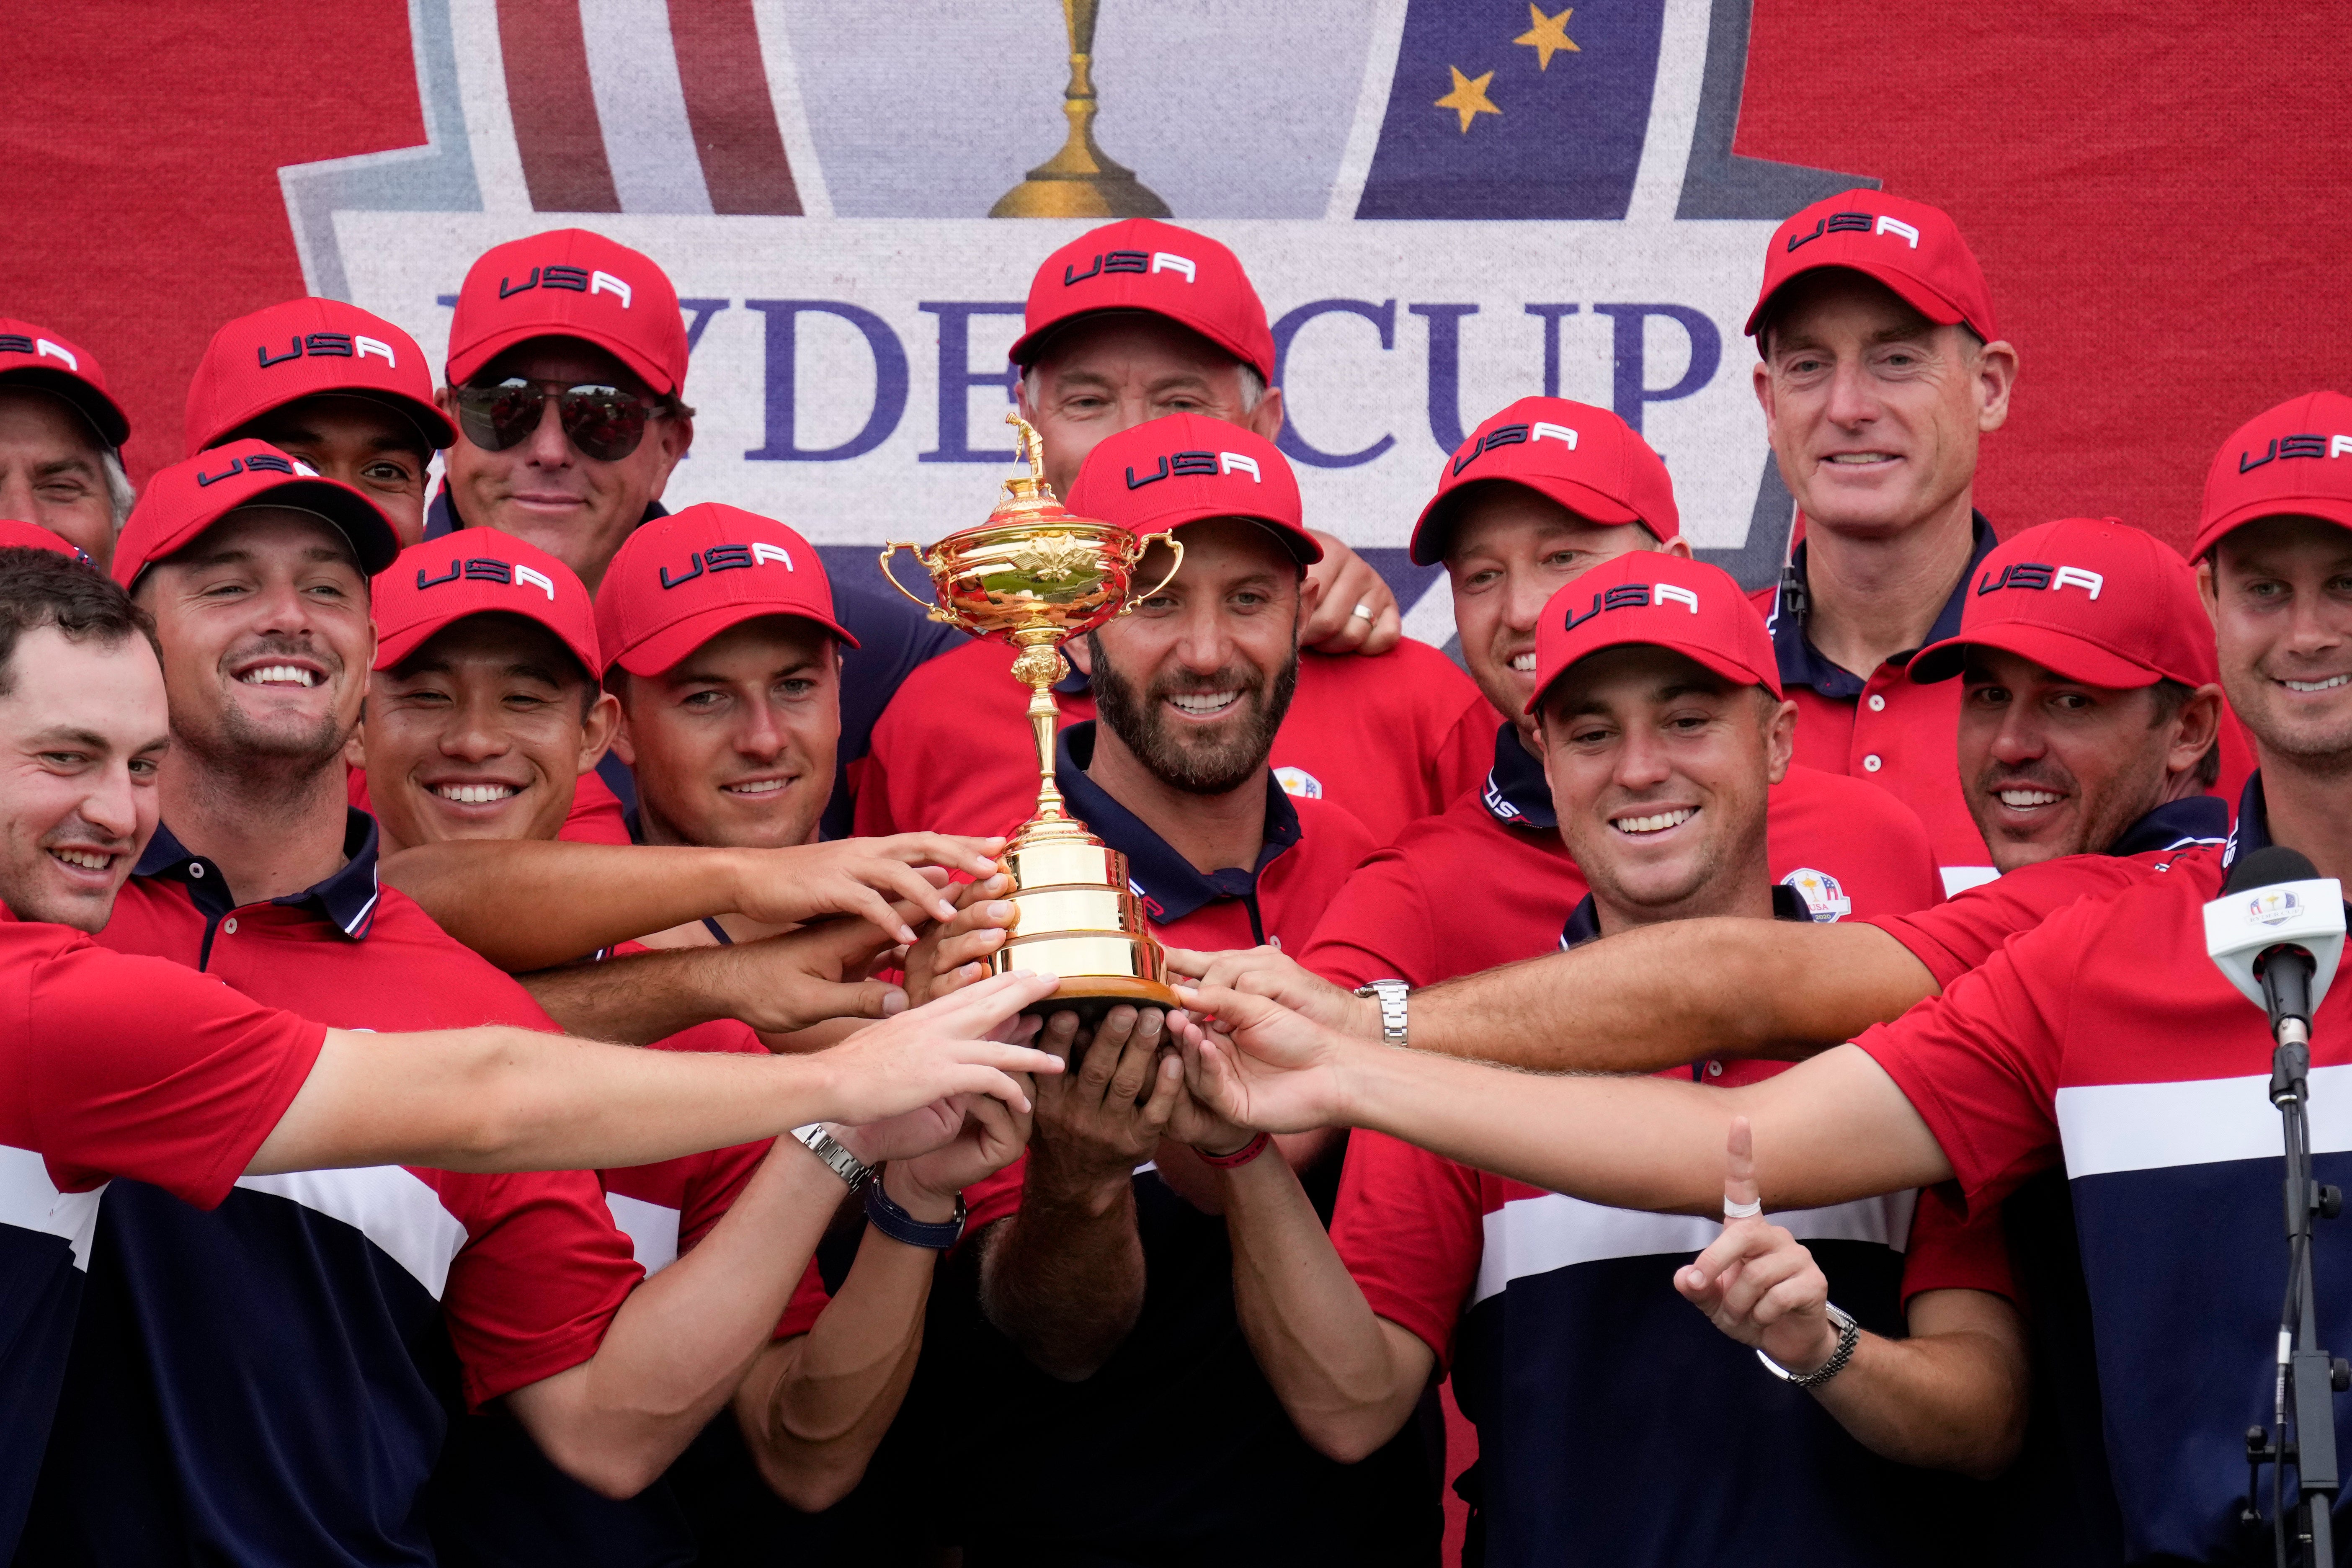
(394, 646)
(1427, 547)
(462, 367)
(1927, 301)
(668, 646)
(105, 416)
(2328, 509)
(2064, 654)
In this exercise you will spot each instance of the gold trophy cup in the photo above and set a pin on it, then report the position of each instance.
(1035, 575)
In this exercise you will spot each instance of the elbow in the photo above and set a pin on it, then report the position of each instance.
(1345, 1438)
(812, 1488)
(619, 1476)
(1996, 1447)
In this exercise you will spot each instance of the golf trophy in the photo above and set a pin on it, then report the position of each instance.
(1034, 575)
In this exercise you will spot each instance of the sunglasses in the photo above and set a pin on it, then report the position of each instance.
(604, 422)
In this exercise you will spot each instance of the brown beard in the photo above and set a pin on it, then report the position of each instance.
(1223, 764)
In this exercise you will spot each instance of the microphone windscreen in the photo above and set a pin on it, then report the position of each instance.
(2267, 867)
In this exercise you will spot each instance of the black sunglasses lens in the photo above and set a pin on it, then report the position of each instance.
(496, 418)
(603, 422)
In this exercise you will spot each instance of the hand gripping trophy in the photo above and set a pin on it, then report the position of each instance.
(1035, 575)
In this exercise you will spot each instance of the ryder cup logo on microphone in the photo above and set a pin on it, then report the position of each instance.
(2273, 905)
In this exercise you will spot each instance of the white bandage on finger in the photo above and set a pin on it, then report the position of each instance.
(1749, 1210)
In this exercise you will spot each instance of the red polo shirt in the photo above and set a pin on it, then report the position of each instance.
(1488, 881)
(1311, 846)
(1391, 738)
(119, 1066)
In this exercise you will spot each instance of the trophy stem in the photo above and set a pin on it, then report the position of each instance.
(1038, 667)
(1081, 179)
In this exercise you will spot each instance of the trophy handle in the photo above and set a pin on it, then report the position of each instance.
(895, 545)
(1167, 537)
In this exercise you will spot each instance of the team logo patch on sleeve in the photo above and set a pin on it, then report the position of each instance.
(1821, 893)
(1298, 783)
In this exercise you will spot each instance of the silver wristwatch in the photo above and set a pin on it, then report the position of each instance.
(835, 1154)
(1390, 995)
(1849, 1335)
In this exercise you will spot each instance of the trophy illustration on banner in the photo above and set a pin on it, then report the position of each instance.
(1079, 180)
(1035, 575)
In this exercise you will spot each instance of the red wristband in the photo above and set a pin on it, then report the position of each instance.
(1241, 1156)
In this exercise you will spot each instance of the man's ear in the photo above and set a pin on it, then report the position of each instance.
(355, 749)
(624, 743)
(1996, 377)
(1779, 739)
(677, 439)
(596, 735)
(2208, 591)
(1081, 653)
(1678, 545)
(2194, 729)
(1265, 420)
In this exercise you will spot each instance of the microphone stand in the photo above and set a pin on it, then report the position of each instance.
(2308, 1377)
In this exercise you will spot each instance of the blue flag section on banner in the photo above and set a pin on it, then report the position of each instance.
(1502, 110)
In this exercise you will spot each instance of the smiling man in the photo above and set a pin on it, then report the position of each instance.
(1661, 729)
(1880, 369)
(61, 436)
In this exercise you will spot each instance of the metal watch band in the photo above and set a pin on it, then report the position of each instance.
(836, 1156)
(1390, 995)
(891, 1220)
(1849, 1335)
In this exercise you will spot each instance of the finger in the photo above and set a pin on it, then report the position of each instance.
(1793, 1297)
(977, 1008)
(1123, 1028)
(1187, 961)
(1736, 1243)
(1739, 1167)
(993, 886)
(968, 947)
(904, 884)
(1060, 1036)
(1238, 1009)
(859, 999)
(1760, 1273)
(1167, 1088)
(1387, 630)
(949, 851)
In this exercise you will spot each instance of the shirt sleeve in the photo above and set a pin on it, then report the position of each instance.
(1410, 1228)
(1980, 1063)
(1963, 932)
(122, 1065)
(1952, 1250)
(1465, 753)
(995, 1197)
(536, 1286)
(595, 817)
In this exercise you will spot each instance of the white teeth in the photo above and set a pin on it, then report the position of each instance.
(2021, 799)
(2330, 684)
(278, 675)
(1524, 663)
(1202, 702)
(758, 787)
(89, 859)
(474, 794)
(1657, 823)
(1860, 457)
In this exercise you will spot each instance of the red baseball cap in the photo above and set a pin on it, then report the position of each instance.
(2091, 599)
(569, 283)
(1586, 458)
(1661, 600)
(36, 356)
(33, 536)
(1187, 468)
(1143, 264)
(182, 500)
(681, 580)
(301, 348)
(2295, 460)
(480, 570)
(1913, 249)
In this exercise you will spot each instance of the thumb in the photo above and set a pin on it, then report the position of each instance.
(859, 999)
(1238, 1008)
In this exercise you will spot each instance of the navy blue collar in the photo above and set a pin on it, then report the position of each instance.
(2253, 829)
(1515, 794)
(345, 900)
(1161, 875)
(441, 518)
(1584, 920)
(2176, 824)
(1801, 664)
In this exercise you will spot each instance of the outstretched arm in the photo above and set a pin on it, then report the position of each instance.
(1951, 1396)
(1347, 1378)
(778, 984)
(1653, 998)
(526, 904)
(1835, 1128)
(515, 1099)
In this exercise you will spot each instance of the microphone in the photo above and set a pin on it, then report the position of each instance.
(2277, 932)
